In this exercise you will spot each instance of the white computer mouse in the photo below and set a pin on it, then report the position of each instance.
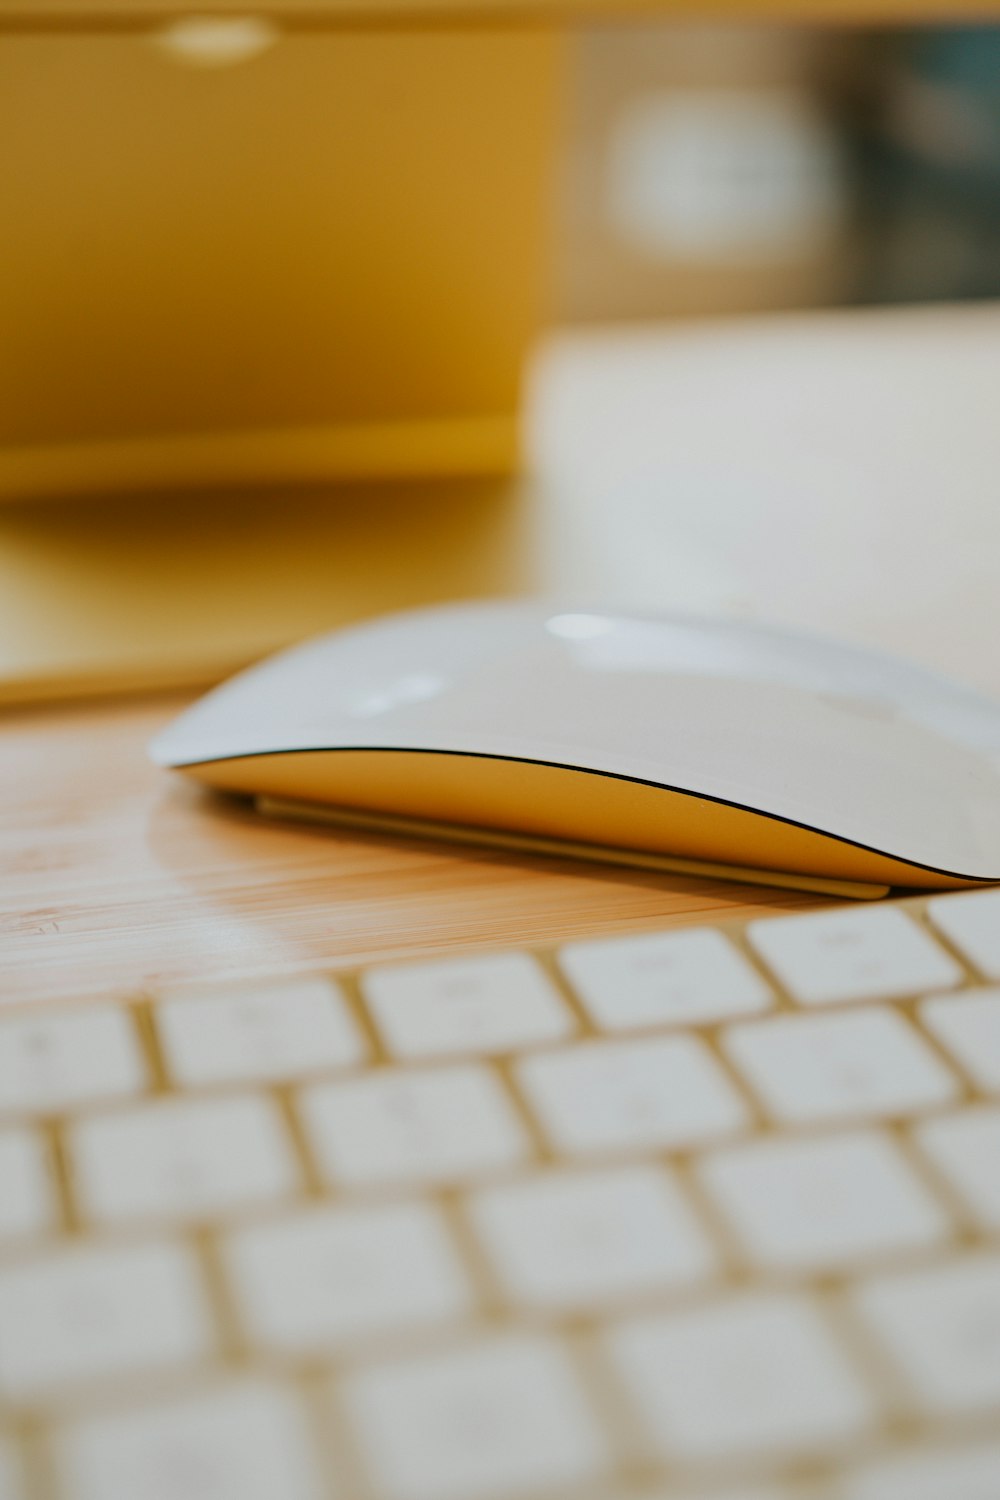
(708, 740)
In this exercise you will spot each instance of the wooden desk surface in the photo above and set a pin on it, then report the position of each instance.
(114, 876)
(832, 472)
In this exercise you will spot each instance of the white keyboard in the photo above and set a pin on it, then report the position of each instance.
(705, 1214)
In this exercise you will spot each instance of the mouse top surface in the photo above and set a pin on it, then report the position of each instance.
(851, 743)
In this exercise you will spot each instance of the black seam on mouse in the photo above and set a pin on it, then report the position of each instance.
(557, 765)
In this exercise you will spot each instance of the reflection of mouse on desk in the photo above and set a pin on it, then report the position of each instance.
(670, 741)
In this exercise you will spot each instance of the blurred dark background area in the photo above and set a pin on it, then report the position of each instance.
(727, 168)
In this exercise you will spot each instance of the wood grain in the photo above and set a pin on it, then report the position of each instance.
(115, 877)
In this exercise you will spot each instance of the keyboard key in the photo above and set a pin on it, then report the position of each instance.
(612, 1096)
(465, 1005)
(839, 1066)
(965, 1148)
(572, 1239)
(505, 1417)
(942, 1327)
(743, 1492)
(282, 1029)
(750, 1376)
(27, 1197)
(332, 1276)
(819, 1204)
(968, 1025)
(246, 1441)
(663, 979)
(11, 1473)
(755, 1492)
(56, 1060)
(181, 1159)
(971, 921)
(968, 1472)
(93, 1312)
(394, 1126)
(867, 953)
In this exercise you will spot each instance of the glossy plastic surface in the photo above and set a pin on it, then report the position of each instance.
(854, 745)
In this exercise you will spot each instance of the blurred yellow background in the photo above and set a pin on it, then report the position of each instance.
(270, 282)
